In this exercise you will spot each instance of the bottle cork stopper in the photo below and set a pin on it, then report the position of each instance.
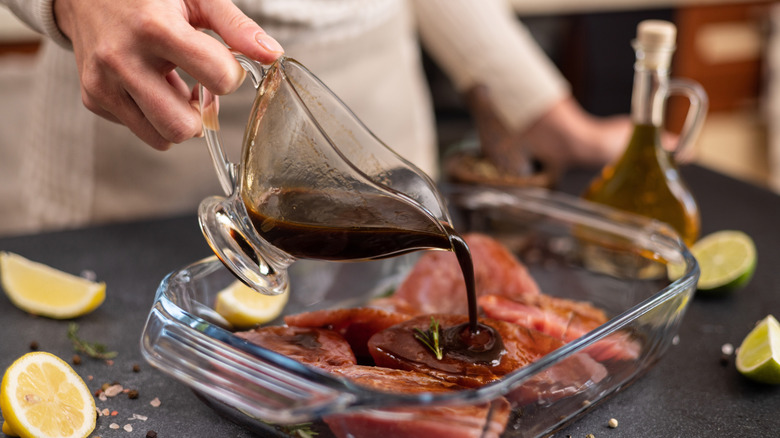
(656, 40)
(656, 34)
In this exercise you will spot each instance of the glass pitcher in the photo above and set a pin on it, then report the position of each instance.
(313, 182)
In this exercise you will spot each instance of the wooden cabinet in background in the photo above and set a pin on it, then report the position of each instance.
(25, 48)
(722, 47)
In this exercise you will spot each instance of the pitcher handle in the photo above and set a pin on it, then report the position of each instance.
(227, 172)
(697, 111)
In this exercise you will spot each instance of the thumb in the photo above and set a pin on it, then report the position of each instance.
(239, 31)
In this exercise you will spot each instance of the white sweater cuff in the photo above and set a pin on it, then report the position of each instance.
(39, 15)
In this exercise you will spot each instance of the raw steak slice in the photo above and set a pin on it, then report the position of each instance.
(356, 325)
(436, 284)
(563, 319)
(486, 420)
(321, 348)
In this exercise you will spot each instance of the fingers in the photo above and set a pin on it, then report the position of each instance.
(157, 109)
(204, 58)
(239, 31)
(127, 54)
(127, 113)
(164, 116)
(208, 60)
(177, 83)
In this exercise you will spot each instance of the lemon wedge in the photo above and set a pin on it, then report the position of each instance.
(41, 396)
(42, 290)
(243, 307)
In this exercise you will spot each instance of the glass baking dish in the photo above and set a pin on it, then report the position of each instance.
(574, 249)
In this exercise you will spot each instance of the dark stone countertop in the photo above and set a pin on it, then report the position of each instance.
(688, 393)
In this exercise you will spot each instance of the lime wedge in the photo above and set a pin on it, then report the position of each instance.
(727, 260)
(758, 358)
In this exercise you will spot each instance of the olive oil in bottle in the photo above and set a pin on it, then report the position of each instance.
(645, 180)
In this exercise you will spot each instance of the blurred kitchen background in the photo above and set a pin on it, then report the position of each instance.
(731, 47)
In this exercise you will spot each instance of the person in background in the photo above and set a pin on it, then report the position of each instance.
(114, 74)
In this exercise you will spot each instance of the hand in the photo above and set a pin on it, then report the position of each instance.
(127, 53)
(564, 137)
(570, 137)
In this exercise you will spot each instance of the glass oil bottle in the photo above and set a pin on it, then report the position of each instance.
(646, 180)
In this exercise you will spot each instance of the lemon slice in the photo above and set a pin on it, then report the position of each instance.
(243, 307)
(43, 290)
(41, 396)
(758, 357)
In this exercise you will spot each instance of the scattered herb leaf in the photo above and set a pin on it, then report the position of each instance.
(430, 338)
(301, 430)
(91, 349)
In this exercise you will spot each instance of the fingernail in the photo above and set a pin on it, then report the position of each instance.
(269, 43)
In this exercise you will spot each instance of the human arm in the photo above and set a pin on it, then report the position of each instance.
(127, 53)
(484, 44)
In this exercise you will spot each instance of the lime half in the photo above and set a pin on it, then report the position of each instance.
(758, 358)
(727, 260)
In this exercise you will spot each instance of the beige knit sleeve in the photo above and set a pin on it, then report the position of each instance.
(39, 15)
(483, 42)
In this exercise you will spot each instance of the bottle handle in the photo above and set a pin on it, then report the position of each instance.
(697, 112)
(227, 171)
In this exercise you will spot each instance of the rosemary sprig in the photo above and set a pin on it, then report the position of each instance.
(431, 338)
(91, 349)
